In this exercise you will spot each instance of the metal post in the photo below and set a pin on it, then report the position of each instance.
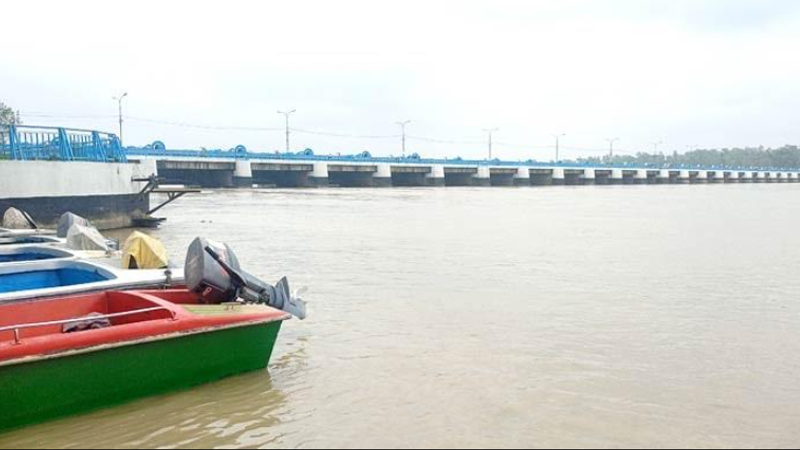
(491, 132)
(65, 147)
(403, 126)
(558, 145)
(12, 140)
(287, 114)
(611, 149)
(119, 101)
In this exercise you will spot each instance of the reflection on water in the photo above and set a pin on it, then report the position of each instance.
(606, 317)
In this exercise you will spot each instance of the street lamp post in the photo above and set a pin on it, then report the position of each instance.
(403, 126)
(558, 145)
(611, 147)
(119, 104)
(491, 132)
(288, 132)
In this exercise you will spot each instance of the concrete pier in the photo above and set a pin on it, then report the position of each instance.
(483, 178)
(243, 174)
(617, 177)
(383, 176)
(559, 177)
(522, 177)
(589, 177)
(320, 176)
(436, 176)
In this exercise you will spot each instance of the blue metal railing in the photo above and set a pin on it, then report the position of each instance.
(159, 150)
(33, 143)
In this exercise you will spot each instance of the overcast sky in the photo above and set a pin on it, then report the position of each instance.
(685, 72)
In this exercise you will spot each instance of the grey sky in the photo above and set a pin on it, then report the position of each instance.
(706, 73)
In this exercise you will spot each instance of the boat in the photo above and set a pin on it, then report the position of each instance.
(123, 346)
(74, 354)
(38, 280)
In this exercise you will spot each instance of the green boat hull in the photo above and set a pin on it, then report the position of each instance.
(48, 389)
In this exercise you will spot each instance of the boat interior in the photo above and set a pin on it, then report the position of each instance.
(29, 254)
(50, 274)
(109, 309)
(97, 310)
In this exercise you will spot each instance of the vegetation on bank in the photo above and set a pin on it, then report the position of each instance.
(784, 157)
(8, 116)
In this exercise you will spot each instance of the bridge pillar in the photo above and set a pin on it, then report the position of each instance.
(559, 177)
(243, 174)
(663, 176)
(641, 177)
(484, 176)
(589, 177)
(523, 177)
(719, 176)
(617, 177)
(319, 176)
(701, 177)
(436, 177)
(383, 177)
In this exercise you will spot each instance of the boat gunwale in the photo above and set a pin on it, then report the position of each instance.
(119, 280)
(140, 341)
(56, 254)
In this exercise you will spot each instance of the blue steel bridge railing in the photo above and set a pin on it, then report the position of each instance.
(35, 143)
(158, 149)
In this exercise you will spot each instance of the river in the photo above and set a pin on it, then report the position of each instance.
(621, 316)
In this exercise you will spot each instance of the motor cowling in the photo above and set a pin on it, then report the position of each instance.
(213, 271)
(205, 276)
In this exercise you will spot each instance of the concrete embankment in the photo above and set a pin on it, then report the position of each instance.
(105, 193)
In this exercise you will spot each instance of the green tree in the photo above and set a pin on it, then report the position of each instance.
(8, 116)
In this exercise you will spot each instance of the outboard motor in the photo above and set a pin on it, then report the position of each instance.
(213, 271)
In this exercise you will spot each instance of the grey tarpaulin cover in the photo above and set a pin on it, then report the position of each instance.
(15, 219)
(86, 239)
(67, 221)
